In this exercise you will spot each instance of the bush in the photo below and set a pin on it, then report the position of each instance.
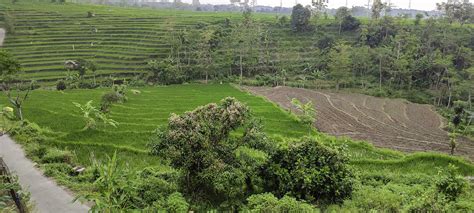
(57, 170)
(164, 72)
(36, 151)
(174, 203)
(310, 171)
(54, 155)
(267, 202)
(61, 85)
(108, 99)
(350, 23)
(153, 185)
(378, 198)
(30, 131)
(450, 183)
(117, 95)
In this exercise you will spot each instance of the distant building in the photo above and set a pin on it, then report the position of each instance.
(196, 3)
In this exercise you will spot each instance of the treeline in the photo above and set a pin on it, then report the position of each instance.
(431, 55)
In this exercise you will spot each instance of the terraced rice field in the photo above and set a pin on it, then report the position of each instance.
(119, 40)
(396, 124)
(139, 117)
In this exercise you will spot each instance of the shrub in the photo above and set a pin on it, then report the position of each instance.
(61, 85)
(153, 185)
(267, 202)
(428, 201)
(36, 151)
(30, 131)
(310, 171)
(350, 23)
(108, 99)
(91, 115)
(164, 72)
(54, 155)
(450, 183)
(378, 198)
(117, 95)
(173, 203)
(57, 169)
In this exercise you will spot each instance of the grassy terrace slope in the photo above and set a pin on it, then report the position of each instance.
(143, 113)
(119, 40)
(139, 117)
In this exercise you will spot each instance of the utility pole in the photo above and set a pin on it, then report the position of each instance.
(347, 3)
(409, 4)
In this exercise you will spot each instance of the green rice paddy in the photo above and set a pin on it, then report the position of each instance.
(143, 113)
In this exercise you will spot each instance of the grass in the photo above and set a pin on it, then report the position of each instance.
(143, 113)
(138, 117)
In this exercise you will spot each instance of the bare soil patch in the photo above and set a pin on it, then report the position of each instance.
(388, 123)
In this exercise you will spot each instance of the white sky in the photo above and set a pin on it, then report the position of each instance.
(415, 4)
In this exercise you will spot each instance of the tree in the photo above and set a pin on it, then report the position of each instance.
(215, 166)
(349, 23)
(418, 18)
(384, 58)
(308, 116)
(300, 17)
(319, 5)
(310, 171)
(340, 63)
(164, 72)
(341, 14)
(455, 10)
(9, 70)
(245, 38)
(91, 115)
(377, 8)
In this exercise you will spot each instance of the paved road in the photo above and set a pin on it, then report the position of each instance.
(2, 36)
(45, 193)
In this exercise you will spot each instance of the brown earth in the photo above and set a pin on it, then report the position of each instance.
(388, 123)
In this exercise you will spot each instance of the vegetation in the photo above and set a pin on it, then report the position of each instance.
(243, 153)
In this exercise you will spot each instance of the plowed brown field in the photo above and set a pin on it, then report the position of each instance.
(389, 123)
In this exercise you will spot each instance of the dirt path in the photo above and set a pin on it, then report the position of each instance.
(2, 36)
(47, 196)
(388, 123)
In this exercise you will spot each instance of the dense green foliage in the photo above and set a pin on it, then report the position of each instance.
(267, 202)
(308, 170)
(198, 144)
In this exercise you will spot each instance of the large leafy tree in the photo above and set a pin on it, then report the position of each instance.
(215, 166)
(300, 18)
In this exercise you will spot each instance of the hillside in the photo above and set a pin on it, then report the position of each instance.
(119, 40)
(140, 109)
